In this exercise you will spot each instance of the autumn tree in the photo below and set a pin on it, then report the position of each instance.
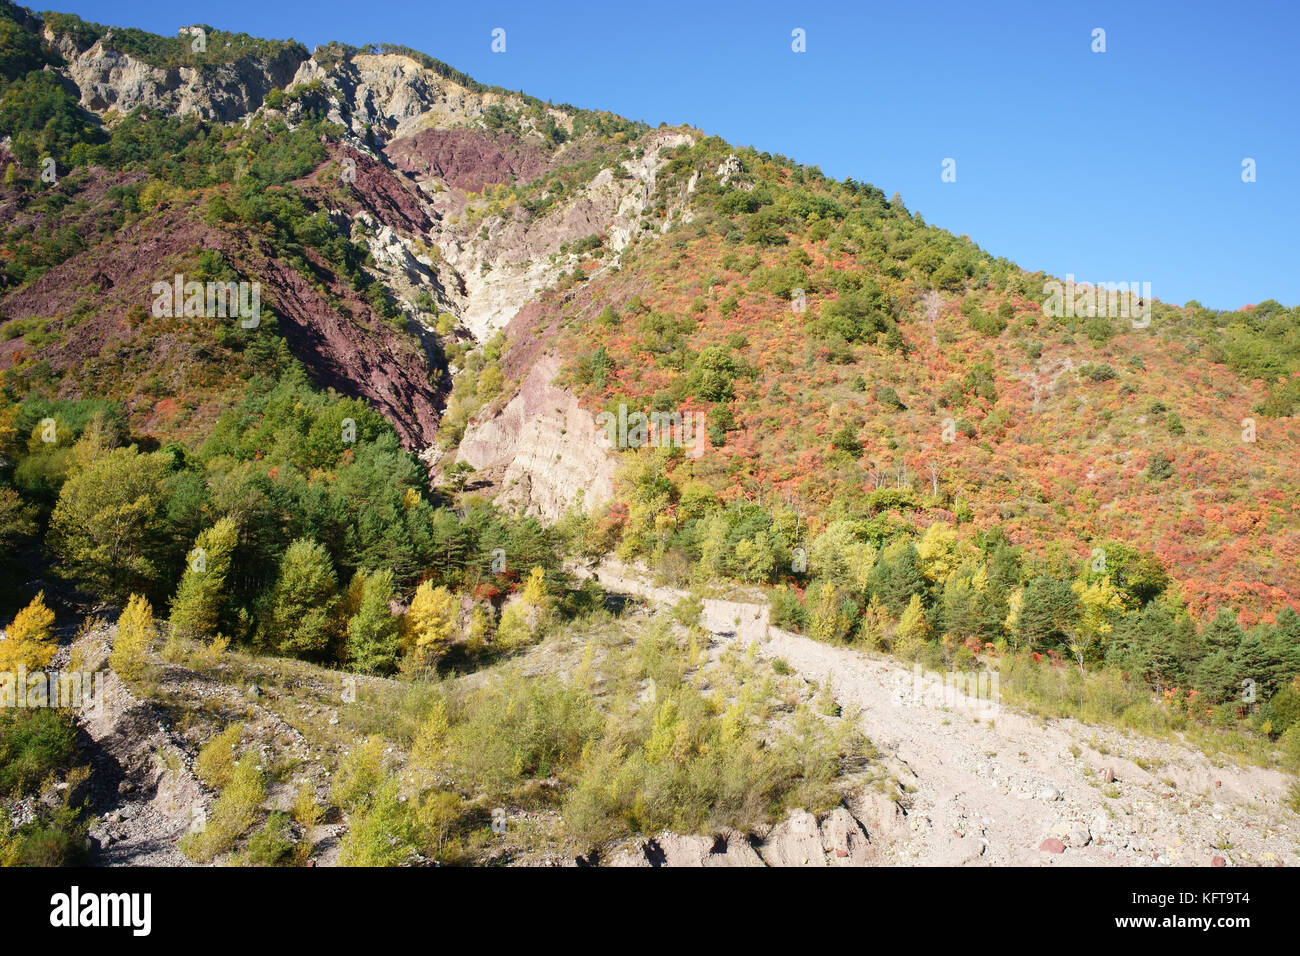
(913, 631)
(429, 627)
(828, 616)
(525, 618)
(874, 629)
(936, 552)
(108, 524)
(202, 595)
(135, 634)
(1100, 605)
(29, 641)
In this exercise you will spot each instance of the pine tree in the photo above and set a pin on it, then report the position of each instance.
(1218, 675)
(1048, 613)
(964, 608)
(373, 632)
(1151, 644)
(298, 615)
(135, 634)
(202, 596)
(30, 638)
(713, 546)
(897, 576)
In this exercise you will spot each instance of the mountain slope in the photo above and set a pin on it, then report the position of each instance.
(471, 305)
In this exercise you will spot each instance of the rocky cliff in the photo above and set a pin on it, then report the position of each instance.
(110, 80)
(470, 201)
(542, 450)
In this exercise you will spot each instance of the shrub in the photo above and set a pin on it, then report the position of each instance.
(1097, 373)
(1160, 467)
(135, 634)
(235, 811)
(888, 397)
(305, 808)
(517, 728)
(270, 845)
(33, 744)
(359, 775)
(381, 834)
(215, 764)
(1289, 744)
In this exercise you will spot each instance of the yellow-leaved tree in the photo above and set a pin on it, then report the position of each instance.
(874, 629)
(429, 627)
(480, 628)
(913, 631)
(1101, 606)
(30, 641)
(431, 749)
(527, 617)
(936, 552)
(135, 634)
(828, 616)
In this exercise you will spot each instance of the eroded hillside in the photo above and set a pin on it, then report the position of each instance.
(471, 347)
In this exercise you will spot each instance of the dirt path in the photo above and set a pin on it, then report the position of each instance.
(142, 790)
(994, 786)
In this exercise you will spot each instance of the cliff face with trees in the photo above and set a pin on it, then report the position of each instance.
(893, 432)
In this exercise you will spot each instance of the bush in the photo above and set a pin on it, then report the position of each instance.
(1160, 467)
(359, 775)
(1283, 708)
(381, 834)
(270, 845)
(516, 728)
(1097, 373)
(1289, 744)
(215, 764)
(33, 744)
(1145, 717)
(888, 397)
(234, 813)
(688, 769)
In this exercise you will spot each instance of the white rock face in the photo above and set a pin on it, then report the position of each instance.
(546, 448)
(398, 96)
(110, 80)
(520, 254)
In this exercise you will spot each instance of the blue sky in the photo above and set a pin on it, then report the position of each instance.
(1116, 166)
